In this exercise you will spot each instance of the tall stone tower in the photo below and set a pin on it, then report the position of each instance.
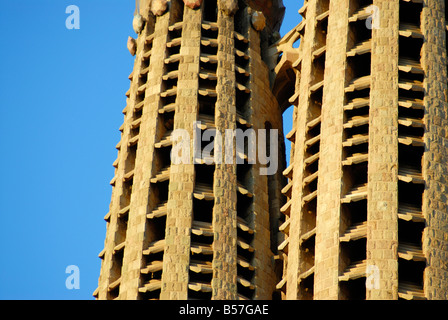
(195, 230)
(366, 215)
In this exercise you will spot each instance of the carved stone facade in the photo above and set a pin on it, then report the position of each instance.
(360, 212)
(193, 230)
(366, 214)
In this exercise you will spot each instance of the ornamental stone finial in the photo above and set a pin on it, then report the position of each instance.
(137, 23)
(258, 20)
(132, 45)
(229, 7)
(158, 7)
(193, 4)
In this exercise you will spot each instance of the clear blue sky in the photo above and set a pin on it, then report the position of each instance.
(62, 92)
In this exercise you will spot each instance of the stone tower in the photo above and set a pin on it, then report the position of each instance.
(366, 215)
(195, 230)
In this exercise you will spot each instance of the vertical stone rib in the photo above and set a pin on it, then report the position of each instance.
(260, 105)
(330, 168)
(106, 278)
(138, 238)
(224, 213)
(435, 159)
(382, 233)
(182, 176)
(296, 213)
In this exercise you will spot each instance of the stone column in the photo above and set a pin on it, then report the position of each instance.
(116, 207)
(224, 213)
(382, 228)
(182, 176)
(137, 239)
(330, 167)
(296, 213)
(263, 108)
(435, 159)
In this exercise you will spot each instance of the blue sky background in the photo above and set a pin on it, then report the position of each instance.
(61, 96)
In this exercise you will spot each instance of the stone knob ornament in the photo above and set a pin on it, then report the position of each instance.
(137, 23)
(193, 4)
(132, 46)
(229, 7)
(258, 20)
(158, 7)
